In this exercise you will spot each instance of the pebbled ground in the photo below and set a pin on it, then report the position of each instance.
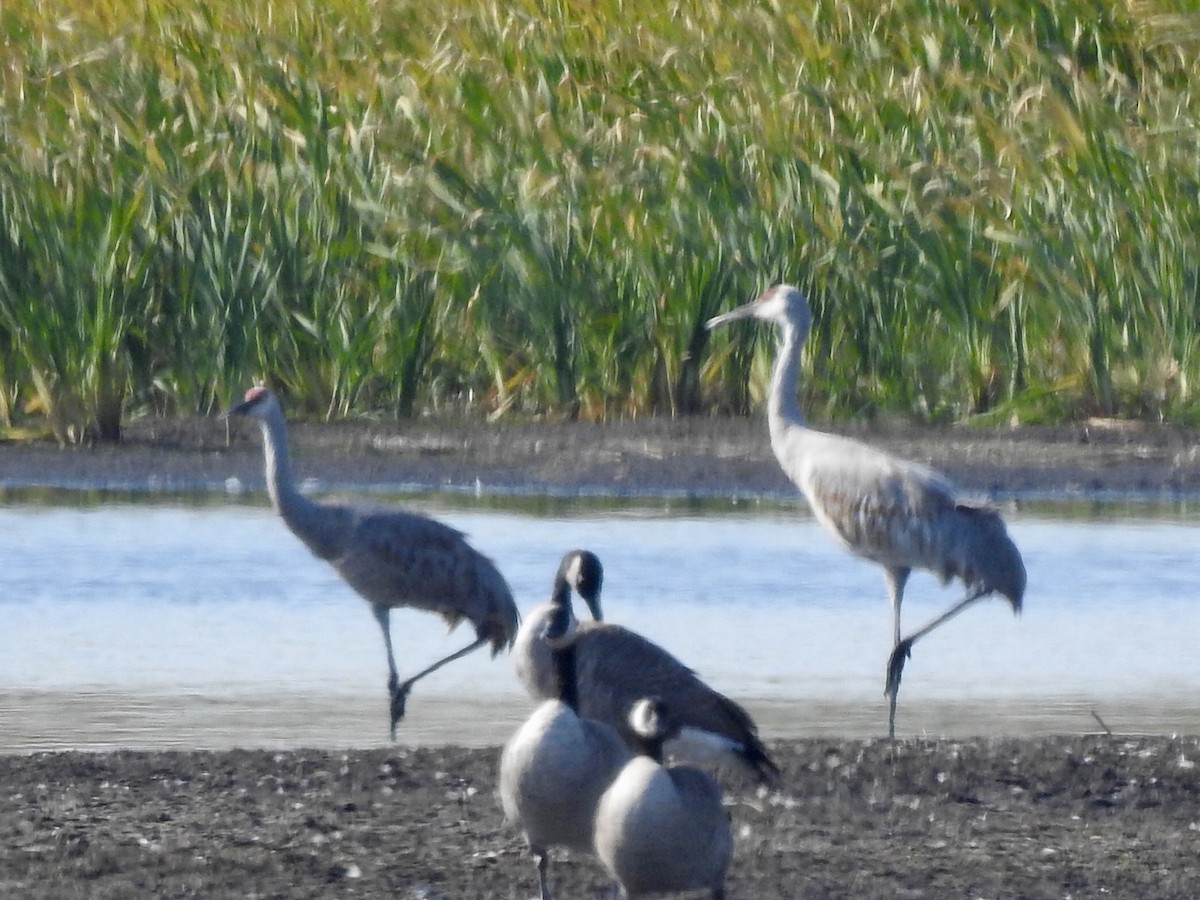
(1079, 816)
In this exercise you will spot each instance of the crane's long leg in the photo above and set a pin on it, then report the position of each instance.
(397, 691)
(896, 579)
(903, 649)
(541, 858)
(400, 694)
(383, 617)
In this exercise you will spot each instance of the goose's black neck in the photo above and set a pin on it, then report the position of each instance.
(561, 594)
(568, 683)
(557, 635)
(649, 746)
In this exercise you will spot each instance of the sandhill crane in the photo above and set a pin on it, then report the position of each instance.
(391, 557)
(899, 514)
(661, 828)
(556, 766)
(617, 667)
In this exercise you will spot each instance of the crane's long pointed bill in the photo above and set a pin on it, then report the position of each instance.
(239, 410)
(742, 312)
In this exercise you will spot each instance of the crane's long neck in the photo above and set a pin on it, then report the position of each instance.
(792, 441)
(783, 407)
(280, 484)
(311, 522)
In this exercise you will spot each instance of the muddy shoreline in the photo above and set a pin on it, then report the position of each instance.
(1066, 816)
(690, 457)
(1082, 816)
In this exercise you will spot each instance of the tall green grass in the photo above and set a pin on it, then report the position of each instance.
(532, 207)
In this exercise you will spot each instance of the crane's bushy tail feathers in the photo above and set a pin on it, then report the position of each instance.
(499, 628)
(500, 631)
(984, 557)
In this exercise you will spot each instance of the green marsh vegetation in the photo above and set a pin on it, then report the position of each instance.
(532, 207)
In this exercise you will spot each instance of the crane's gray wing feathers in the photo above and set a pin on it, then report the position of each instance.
(396, 558)
(903, 514)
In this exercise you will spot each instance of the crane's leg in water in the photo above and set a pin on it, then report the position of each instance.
(383, 617)
(400, 692)
(896, 578)
(903, 649)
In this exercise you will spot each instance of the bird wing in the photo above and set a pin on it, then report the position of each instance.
(905, 515)
(880, 507)
(397, 558)
(617, 667)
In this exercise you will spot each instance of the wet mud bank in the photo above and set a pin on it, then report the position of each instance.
(698, 457)
(1079, 816)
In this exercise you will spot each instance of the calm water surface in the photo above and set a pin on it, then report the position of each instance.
(180, 623)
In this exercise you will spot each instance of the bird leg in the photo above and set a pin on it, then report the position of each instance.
(903, 650)
(400, 692)
(542, 860)
(896, 578)
(382, 616)
(895, 668)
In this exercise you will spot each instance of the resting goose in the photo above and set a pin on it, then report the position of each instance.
(556, 766)
(662, 828)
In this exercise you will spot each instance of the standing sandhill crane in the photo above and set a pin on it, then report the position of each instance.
(617, 667)
(556, 766)
(899, 514)
(661, 828)
(391, 557)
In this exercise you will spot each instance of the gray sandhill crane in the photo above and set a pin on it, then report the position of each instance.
(617, 667)
(556, 766)
(662, 828)
(391, 557)
(899, 514)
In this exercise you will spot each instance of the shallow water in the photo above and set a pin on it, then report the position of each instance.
(201, 623)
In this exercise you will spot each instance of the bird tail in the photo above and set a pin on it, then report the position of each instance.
(748, 746)
(747, 757)
(754, 754)
(987, 559)
(500, 628)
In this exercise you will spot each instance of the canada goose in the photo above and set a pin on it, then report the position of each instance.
(616, 666)
(557, 764)
(581, 570)
(662, 828)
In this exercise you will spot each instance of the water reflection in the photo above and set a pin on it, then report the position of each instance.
(199, 621)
